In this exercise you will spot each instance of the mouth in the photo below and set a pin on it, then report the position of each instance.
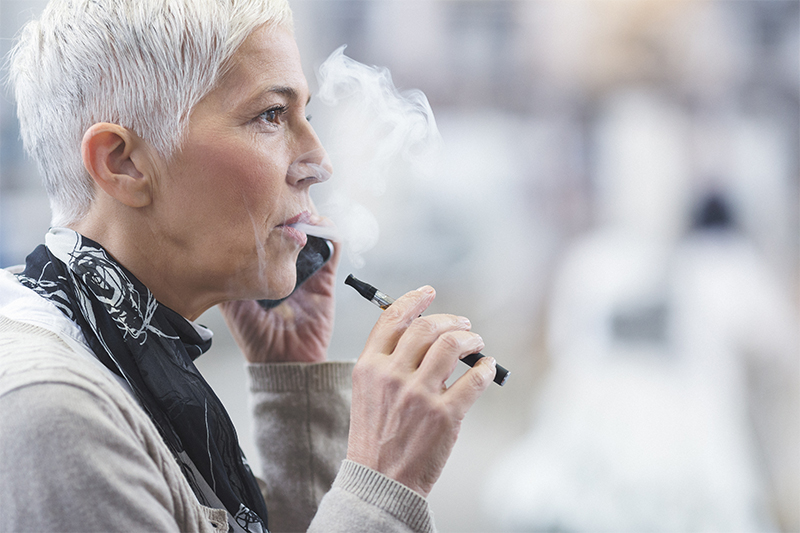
(288, 228)
(300, 218)
(325, 232)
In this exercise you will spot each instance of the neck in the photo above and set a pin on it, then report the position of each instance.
(154, 259)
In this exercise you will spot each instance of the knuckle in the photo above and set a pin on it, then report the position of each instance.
(433, 326)
(419, 401)
(424, 326)
(442, 415)
(480, 378)
(450, 342)
(389, 380)
(393, 314)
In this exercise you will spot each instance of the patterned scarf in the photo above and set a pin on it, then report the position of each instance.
(152, 348)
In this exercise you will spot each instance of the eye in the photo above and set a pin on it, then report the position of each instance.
(274, 114)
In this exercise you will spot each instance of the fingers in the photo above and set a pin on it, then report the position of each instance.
(423, 333)
(430, 346)
(468, 388)
(395, 320)
(404, 420)
(437, 363)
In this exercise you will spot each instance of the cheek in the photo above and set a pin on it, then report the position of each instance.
(225, 200)
(230, 182)
(258, 184)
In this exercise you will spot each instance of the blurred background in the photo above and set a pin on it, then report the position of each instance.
(616, 207)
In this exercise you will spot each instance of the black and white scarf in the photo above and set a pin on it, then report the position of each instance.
(152, 348)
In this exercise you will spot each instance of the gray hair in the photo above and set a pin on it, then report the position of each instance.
(142, 64)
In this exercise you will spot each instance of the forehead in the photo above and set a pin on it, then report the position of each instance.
(267, 59)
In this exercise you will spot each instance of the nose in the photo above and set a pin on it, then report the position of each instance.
(313, 165)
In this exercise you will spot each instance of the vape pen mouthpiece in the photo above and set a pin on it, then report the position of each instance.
(364, 289)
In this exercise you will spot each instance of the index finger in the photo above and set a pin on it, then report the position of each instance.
(394, 321)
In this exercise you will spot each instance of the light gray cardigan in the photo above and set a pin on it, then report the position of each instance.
(78, 453)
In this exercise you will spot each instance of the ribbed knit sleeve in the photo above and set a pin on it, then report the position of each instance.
(363, 500)
(301, 420)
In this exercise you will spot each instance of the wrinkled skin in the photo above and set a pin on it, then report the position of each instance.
(298, 330)
(404, 420)
(213, 225)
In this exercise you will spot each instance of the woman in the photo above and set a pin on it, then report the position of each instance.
(174, 145)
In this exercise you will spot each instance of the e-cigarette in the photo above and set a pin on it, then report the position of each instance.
(383, 301)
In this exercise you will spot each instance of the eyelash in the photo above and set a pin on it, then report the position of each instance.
(277, 112)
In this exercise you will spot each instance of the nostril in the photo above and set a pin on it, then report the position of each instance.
(312, 167)
(309, 173)
(320, 172)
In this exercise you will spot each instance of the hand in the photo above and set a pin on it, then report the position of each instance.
(404, 420)
(296, 331)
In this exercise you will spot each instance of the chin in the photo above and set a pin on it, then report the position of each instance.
(266, 277)
(274, 287)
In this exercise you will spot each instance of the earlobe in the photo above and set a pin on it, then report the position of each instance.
(112, 156)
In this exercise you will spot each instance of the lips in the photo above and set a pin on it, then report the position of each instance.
(295, 234)
(304, 217)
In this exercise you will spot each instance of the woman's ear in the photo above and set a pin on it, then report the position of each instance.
(117, 159)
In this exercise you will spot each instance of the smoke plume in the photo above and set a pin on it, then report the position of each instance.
(372, 131)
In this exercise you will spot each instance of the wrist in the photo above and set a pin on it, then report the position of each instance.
(377, 489)
(397, 475)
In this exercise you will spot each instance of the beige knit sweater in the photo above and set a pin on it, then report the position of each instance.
(77, 452)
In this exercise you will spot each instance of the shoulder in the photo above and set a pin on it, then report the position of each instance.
(77, 452)
(76, 448)
(47, 418)
(57, 405)
(65, 453)
(31, 354)
(48, 387)
(61, 417)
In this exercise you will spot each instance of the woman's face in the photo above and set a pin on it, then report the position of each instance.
(248, 159)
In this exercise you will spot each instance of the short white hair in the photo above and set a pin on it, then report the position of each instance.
(142, 64)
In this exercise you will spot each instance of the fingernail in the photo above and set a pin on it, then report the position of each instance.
(465, 321)
(427, 289)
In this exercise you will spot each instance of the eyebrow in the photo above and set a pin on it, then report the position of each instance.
(288, 92)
